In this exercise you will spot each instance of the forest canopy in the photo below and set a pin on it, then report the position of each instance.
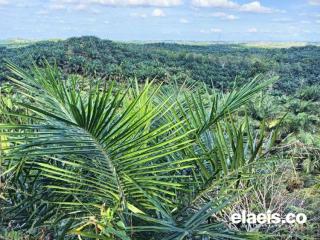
(218, 65)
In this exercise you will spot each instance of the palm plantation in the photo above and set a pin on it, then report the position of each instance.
(129, 159)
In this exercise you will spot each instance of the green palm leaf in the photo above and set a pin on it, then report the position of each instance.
(87, 140)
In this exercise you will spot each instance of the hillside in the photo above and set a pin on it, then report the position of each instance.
(217, 64)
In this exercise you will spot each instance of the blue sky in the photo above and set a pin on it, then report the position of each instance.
(200, 20)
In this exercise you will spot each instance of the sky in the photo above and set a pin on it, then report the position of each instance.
(159, 20)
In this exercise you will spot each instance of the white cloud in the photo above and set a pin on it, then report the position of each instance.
(255, 7)
(158, 13)
(215, 30)
(88, 4)
(183, 20)
(252, 30)
(212, 30)
(158, 3)
(314, 2)
(215, 3)
(122, 3)
(225, 16)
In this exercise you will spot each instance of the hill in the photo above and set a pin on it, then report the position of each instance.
(215, 64)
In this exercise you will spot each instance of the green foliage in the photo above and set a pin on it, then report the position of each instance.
(218, 65)
(82, 158)
(105, 162)
(310, 93)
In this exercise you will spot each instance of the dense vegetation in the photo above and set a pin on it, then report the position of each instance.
(157, 141)
(218, 65)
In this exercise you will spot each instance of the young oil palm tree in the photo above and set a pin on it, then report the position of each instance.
(118, 162)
